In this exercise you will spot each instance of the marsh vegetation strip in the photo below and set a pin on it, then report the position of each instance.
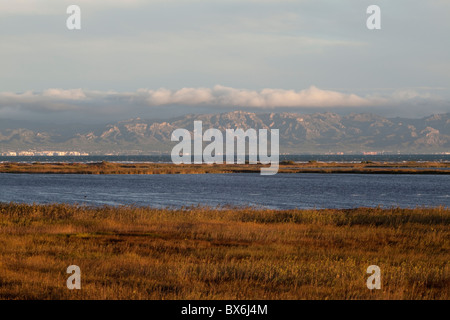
(281, 191)
(203, 253)
(168, 168)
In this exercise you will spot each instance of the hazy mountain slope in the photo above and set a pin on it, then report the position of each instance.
(299, 133)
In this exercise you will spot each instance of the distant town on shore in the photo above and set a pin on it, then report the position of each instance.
(43, 153)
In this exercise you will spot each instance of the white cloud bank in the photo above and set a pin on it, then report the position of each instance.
(218, 96)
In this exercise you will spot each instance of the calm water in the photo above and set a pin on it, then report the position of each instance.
(280, 191)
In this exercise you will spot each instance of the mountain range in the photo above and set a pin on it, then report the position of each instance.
(299, 133)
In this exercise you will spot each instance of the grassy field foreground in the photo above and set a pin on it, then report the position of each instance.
(204, 253)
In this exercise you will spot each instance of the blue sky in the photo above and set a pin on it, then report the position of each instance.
(156, 58)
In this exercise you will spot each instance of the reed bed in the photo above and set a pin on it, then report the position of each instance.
(222, 253)
(169, 168)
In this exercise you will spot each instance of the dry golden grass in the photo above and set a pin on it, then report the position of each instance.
(228, 253)
(168, 168)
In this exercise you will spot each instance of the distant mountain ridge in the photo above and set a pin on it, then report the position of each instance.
(299, 133)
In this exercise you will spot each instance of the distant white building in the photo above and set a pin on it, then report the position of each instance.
(10, 154)
(26, 153)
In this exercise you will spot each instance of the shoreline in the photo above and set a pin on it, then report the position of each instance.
(104, 167)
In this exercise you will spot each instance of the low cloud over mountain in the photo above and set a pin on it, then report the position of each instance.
(61, 105)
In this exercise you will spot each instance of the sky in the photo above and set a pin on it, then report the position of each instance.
(163, 58)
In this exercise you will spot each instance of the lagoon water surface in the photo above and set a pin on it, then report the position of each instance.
(283, 191)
